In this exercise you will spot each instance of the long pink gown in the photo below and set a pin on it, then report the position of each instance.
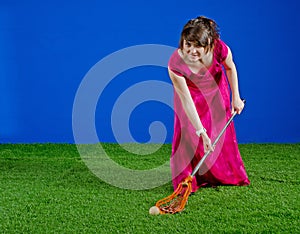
(211, 95)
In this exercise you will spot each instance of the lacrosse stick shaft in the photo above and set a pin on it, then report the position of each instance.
(213, 145)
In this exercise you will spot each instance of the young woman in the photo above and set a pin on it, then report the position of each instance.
(201, 70)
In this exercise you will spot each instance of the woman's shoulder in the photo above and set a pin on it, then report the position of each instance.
(176, 64)
(174, 57)
(220, 50)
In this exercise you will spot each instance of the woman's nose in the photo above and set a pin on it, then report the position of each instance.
(193, 50)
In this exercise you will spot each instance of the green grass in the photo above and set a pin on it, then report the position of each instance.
(46, 188)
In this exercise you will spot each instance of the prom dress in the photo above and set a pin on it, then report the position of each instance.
(211, 96)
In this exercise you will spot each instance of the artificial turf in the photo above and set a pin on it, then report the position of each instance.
(47, 188)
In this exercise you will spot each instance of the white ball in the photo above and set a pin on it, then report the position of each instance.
(154, 210)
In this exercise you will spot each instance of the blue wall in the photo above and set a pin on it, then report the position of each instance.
(47, 48)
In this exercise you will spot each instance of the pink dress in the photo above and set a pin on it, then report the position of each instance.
(211, 95)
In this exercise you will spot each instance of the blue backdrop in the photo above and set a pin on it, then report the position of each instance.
(47, 48)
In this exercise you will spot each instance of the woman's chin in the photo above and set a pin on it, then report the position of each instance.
(193, 59)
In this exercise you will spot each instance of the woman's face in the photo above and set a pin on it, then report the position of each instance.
(192, 51)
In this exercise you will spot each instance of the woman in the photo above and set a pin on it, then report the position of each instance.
(202, 107)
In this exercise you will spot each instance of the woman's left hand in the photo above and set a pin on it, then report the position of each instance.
(237, 105)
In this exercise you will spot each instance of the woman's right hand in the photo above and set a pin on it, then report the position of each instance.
(206, 142)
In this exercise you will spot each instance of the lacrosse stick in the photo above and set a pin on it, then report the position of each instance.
(177, 200)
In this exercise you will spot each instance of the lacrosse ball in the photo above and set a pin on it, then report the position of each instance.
(154, 210)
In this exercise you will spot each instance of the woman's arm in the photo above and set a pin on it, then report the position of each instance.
(187, 102)
(231, 72)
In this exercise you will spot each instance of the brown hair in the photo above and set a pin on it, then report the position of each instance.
(202, 31)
